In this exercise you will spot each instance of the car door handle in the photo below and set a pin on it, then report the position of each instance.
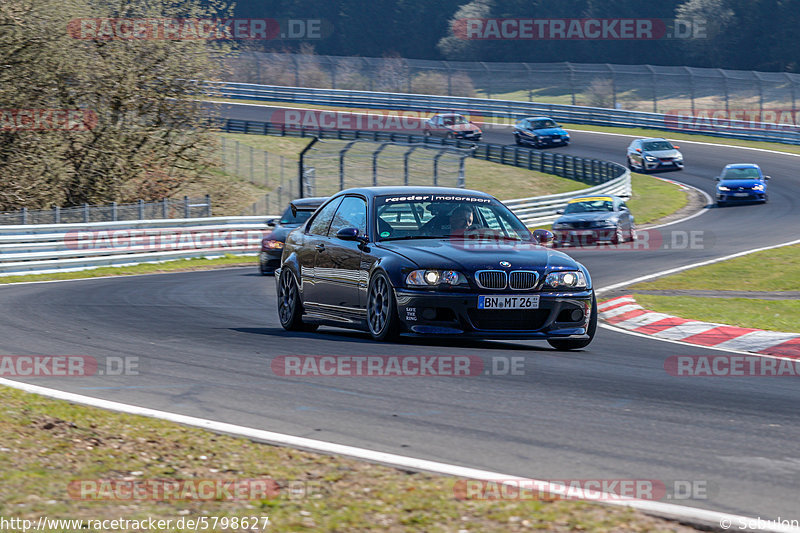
(320, 247)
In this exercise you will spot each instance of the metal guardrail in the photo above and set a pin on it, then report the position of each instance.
(48, 248)
(493, 110)
(166, 208)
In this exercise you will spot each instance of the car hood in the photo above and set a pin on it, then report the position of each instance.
(462, 127)
(471, 255)
(550, 131)
(740, 183)
(663, 153)
(588, 217)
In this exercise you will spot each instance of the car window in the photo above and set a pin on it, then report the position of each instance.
(352, 213)
(741, 174)
(321, 222)
(587, 206)
(656, 146)
(302, 215)
(433, 216)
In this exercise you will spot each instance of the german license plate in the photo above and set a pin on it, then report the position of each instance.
(508, 302)
(742, 194)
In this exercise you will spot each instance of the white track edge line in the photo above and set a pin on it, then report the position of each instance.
(399, 461)
(693, 265)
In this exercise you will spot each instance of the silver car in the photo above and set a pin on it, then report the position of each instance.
(645, 155)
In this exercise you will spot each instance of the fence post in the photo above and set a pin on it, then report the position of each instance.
(57, 215)
(266, 169)
(300, 171)
(405, 164)
(375, 155)
(165, 208)
(208, 205)
(85, 213)
(342, 154)
(461, 183)
(236, 158)
(24, 214)
(113, 211)
(252, 175)
(185, 207)
(141, 209)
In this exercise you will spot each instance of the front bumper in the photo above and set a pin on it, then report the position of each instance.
(464, 135)
(269, 261)
(583, 236)
(436, 314)
(663, 165)
(741, 196)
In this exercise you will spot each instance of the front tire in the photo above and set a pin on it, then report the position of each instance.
(290, 308)
(576, 344)
(382, 317)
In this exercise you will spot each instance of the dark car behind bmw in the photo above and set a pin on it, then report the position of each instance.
(296, 213)
(432, 261)
(539, 132)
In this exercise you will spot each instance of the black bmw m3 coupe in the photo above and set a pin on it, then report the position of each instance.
(432, 261)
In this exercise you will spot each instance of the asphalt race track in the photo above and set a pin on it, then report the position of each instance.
(205, 341)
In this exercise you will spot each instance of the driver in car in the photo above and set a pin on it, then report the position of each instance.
(461, 220)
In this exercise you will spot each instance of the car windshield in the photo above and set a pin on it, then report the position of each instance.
(542, 124)
(290, 219)
(588, 206)
(741, 174)
(454, 119)
(655, 146)
(429, 216)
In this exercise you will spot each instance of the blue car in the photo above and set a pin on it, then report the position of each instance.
(741, 182)
(540, 131)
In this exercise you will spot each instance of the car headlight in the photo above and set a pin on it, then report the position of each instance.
(605, 223)
(650, 158)
(722, 188)
(758, 187)
(571, 279)
(271, 245)
(432, 278)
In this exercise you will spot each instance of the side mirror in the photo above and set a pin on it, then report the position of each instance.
(350, 234)
(543, 236)
(639, 150)
(766, 177)
(675, 146)
(559, 211)
(271, 222)
(716, 179)
(623, 208)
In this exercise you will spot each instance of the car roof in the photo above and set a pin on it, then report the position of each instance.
(448, 115)
(315, 202)
(742, 165)
(653, 139)
(595, 197)
(398, 189)
(538, 118)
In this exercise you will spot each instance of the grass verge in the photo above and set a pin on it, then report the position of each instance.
(770, 270)
(144, 268)
(653, 198)
(775, 315)
(52, 443)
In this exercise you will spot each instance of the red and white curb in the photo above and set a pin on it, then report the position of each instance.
(623, 312)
